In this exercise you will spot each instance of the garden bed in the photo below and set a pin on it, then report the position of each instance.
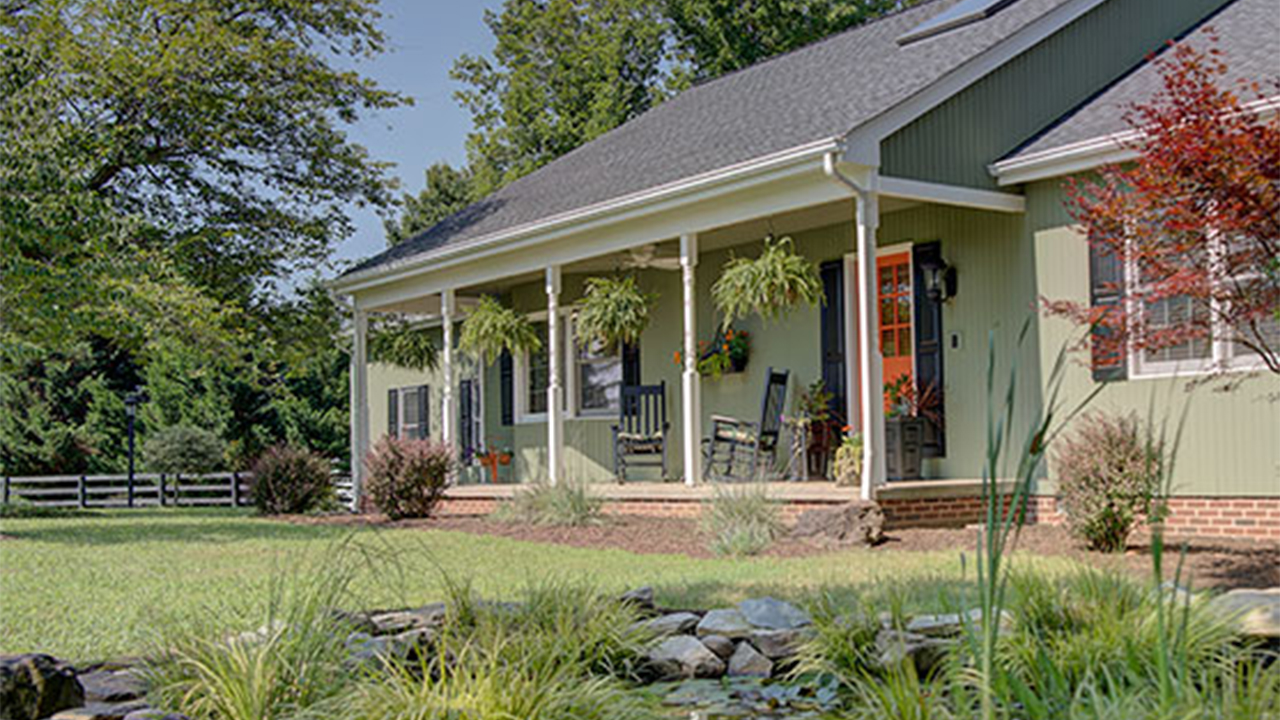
(1210, 562)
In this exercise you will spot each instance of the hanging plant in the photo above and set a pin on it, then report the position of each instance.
(492, 328)
(396, 342)
(614, 311)
(769, 286)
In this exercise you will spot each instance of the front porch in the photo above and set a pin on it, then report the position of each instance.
(556, 424)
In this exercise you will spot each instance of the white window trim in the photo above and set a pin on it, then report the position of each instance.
(1222, 357)
(569, 379)
(571, 382)
(401, 407)
(521, 381)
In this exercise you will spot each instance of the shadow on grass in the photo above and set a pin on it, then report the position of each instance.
(188, 526)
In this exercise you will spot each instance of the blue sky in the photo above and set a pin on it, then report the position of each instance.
(424, 37)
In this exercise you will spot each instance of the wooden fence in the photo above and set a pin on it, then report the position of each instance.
(142, 490)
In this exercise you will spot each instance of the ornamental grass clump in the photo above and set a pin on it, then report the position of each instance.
(406, 478)
(741, 520)
(1108, 476)
(292, 480)
(769, 286)
(567, 504)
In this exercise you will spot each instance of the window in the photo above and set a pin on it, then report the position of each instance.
(408, 412)
(599, 378)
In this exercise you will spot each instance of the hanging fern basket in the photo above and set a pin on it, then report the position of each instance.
(770, 286)
(490, 329)
(614, 311)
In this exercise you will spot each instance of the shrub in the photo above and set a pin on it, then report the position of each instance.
(1108, 472)
(184, 449)
(541, 503)
(407, 478)
(848, 463)
(741, 520)
(288, 479)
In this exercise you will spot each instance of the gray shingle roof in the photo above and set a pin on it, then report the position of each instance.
(1249, 37)
(818, 92)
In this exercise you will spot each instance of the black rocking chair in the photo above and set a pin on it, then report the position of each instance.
(736, 445)
(640, 437)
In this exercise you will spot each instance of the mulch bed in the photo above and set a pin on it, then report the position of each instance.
(1210, 562)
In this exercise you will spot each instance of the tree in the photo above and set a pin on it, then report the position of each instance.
(447, 191)
(1195, 218)
(719, 36)
(563, 72)
(164, 163)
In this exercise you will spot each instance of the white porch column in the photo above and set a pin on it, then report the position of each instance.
(555, 402)
(871, 364)
(449, 411)
(691, 381)
(359, 403)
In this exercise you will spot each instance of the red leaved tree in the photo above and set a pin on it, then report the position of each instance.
(1190, 226)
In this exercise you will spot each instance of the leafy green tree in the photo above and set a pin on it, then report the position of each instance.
(447, 191)
(164, 162)
(563, 72)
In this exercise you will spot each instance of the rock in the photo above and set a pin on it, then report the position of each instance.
(748, 662)
(353, 621)
(894, 648)
(640, 597)
(111, 686)
(427, 616)
(1257, 612)
(101, 711)
(860, 522)
(952, 624)
(407, 646)
(773, 614)
(671, 624)
(777, 644)
(36, 686)
(727, 622)
(720, 645)
(153, 714)
(264, 632)
(684, 656)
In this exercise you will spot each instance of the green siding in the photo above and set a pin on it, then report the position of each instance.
(955, 142)
(1231, 442)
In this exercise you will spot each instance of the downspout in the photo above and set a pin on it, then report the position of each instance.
(870, 370)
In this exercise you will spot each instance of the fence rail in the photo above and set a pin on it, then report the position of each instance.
(229, 489)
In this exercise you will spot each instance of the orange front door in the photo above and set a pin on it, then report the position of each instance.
(894, 295)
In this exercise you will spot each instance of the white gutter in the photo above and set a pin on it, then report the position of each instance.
(530, 232)
(1088, 154)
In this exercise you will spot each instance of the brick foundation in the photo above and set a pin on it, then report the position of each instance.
(1250, 518)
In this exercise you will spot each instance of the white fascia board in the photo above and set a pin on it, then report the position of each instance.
(1092, 153)
(956, 195)
(863, 142)
(692, 189)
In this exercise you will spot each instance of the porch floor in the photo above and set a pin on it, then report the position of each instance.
(791, 492)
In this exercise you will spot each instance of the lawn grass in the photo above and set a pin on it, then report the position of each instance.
(108, 584)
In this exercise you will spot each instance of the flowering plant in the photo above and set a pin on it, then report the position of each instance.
(728, 352)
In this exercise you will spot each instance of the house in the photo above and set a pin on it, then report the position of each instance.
(933, 138)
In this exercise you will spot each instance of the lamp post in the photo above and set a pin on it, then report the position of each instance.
(131, 402)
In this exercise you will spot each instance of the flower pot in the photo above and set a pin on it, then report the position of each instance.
(738, 363)
(904, 448)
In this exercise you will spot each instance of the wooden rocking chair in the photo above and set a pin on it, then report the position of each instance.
(640, 437)
(736, 447)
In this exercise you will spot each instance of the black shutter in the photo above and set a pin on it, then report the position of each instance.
(424, 411)
(393, 413)
(506, 387)
(928, 347)
(831, 326)
(631, 364)
(1106, 291)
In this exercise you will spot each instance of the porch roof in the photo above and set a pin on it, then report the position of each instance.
(814, 96)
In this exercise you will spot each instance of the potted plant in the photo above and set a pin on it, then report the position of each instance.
(614, 311)
(814, 411)
(728, 353)
(906, 412)
(491, 329)
(848, 461)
